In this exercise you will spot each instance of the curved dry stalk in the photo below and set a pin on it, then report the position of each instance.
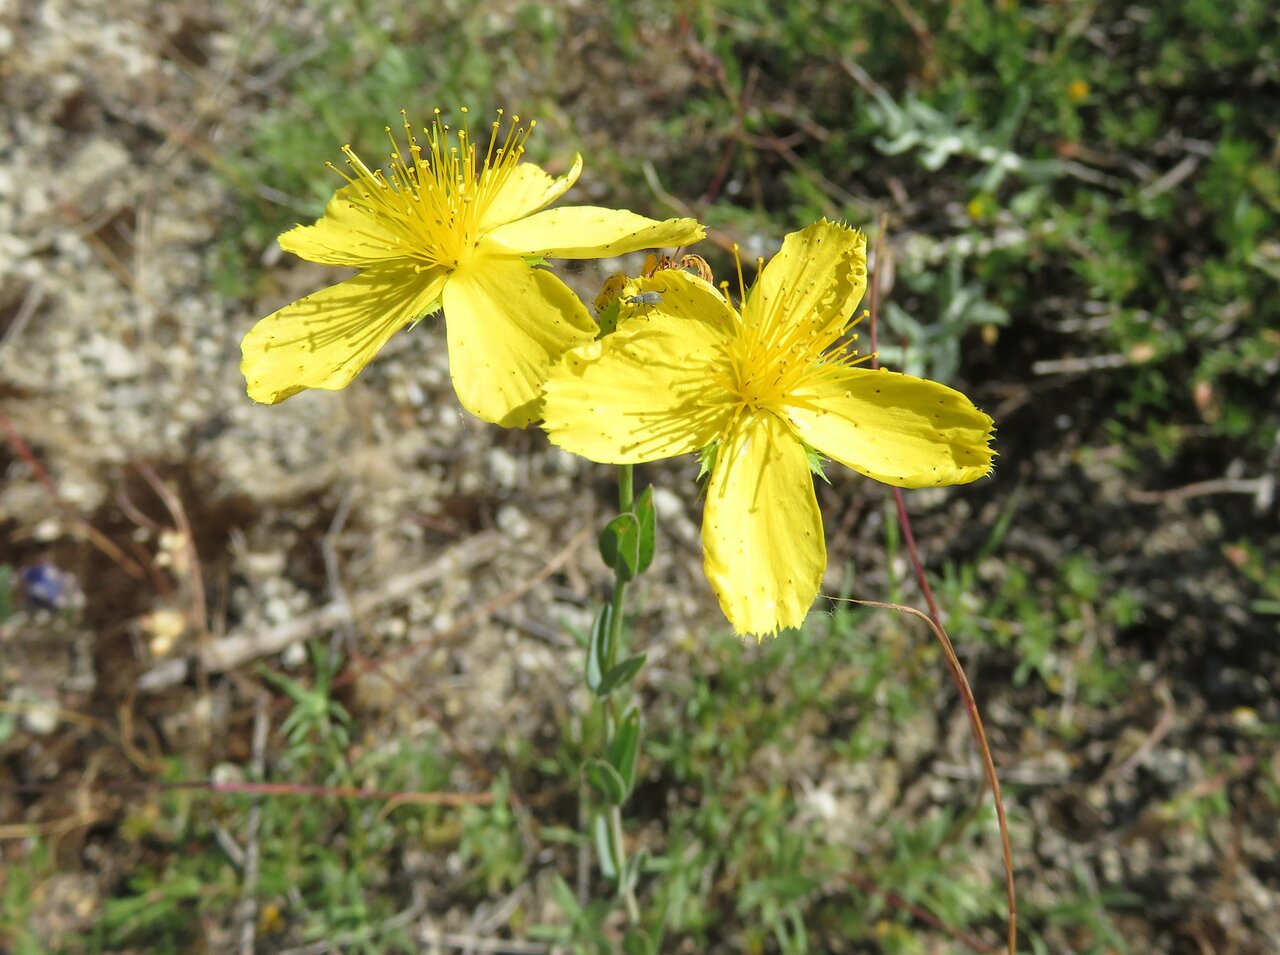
(934, 620)
(908, 536)
(980, 735)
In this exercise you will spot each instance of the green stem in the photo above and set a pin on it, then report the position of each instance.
(626, 501)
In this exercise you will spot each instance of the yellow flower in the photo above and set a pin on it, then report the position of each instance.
(1077, 91)
(451, 227)
(763, 386)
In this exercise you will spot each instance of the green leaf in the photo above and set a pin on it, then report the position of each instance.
(647, 516)
(631, 871)
(657, 917)
(608, 781)
(636, 943)
(620, 545)
(599, 646)
(627, 542)
(623, 749)
(564, 897)
(624, 672)
(604, 847)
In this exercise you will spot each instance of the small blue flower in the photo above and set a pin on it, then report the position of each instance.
(47, 587)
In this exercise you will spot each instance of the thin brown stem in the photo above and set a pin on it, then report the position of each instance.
(934, 619)
(908, 536)
(984, 748)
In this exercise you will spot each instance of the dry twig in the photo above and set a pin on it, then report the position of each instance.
(238, 648)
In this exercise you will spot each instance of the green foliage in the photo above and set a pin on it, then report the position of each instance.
(583, 930)
(318, 727)
(932, 348)
(749, 849)
(18, 889)
(624, 748)
(768, 850)
(158, 905)
(1051, 625)
(323, 862)
(1262, 570)
(491, 841)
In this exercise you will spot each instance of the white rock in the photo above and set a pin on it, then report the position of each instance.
(39, 716)
(503, 468)
(119, 361)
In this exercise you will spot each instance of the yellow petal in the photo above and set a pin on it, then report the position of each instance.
(591, 232)
(325, 339)
(347, 234)
(639, 394)
(819, 275)
(762, 530)
(506, 324)
(899, 429)
(526, 189)
(682, 295)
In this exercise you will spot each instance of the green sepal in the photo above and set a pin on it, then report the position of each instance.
(427, 312)
(608, 319)
(707, 459)
(817, 462)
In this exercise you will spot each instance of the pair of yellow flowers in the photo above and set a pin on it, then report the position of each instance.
(760, 386)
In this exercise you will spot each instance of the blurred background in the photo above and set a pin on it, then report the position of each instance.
(373, 593)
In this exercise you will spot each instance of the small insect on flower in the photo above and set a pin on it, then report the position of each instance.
(610, 291)
(647, 299)
(686, 263)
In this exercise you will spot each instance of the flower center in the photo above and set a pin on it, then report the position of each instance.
(778, 351)
(430, 207)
